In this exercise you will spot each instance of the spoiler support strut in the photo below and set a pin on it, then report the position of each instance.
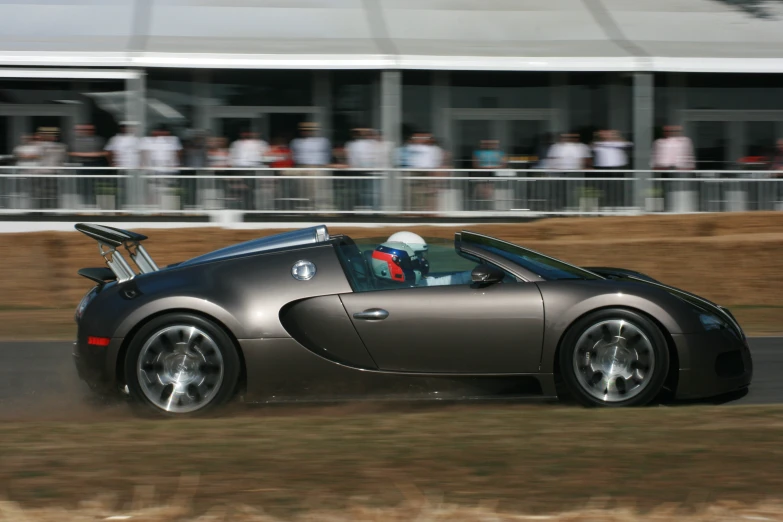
(110, 239)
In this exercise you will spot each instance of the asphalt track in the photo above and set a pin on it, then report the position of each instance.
(38, 382)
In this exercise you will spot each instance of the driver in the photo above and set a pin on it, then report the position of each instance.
(415, 248)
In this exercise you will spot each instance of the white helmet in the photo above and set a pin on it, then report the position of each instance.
(416, 243)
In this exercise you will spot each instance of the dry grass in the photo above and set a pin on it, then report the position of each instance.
(520, 459)
(417, 509)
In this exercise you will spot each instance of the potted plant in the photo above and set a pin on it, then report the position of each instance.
(106, 195)
(653, 201)
(589, 198)
(170, 198)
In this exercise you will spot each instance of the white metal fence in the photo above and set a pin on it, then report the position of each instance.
(452, 192)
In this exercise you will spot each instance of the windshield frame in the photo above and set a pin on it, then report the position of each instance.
(482, 242)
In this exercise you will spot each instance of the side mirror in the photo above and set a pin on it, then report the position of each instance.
(487, 274)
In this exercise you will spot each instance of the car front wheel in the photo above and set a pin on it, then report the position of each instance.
(181, 364)
(614, 358)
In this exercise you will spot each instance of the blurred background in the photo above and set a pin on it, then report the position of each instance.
(498, 108)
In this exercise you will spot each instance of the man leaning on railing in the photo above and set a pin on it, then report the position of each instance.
(87, 150)
(312, 151)
(124, 152)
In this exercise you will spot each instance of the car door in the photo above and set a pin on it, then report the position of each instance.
(451, 329)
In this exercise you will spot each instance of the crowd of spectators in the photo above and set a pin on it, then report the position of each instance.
(367, 155)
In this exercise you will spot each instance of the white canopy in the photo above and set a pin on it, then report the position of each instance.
(570, 35)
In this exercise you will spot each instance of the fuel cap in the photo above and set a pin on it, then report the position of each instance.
(303, 270)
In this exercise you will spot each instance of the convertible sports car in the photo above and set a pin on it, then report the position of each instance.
(305, 315)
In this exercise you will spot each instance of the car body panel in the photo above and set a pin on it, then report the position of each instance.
(711, 363)
(444, 328)
(245, 293)
(321, 325)
(567, 301)
(286, 371)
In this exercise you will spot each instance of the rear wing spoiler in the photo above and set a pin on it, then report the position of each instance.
(110, 240)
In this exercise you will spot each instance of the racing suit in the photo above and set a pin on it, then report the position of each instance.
(460, 278)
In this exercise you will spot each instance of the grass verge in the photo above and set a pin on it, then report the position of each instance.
(519, 458)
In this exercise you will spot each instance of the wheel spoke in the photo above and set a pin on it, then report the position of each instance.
(165, 343)
(606, 333)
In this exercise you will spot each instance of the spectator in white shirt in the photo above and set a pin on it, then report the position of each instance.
(361, 151)
(361, 156)
(311, 150)
(249, 151)
(123, 149)
(424, 157)
(314, 152)
(28, 153)
(674, 151)
(161, 151)
(569, 154)
(610, 150)
(161, 155)
(424, 154)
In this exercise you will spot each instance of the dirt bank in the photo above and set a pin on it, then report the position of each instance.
(734, 259)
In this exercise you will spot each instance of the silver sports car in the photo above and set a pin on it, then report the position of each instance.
(305, 315)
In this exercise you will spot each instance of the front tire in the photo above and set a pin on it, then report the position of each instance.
(181, 365)
(614, 358)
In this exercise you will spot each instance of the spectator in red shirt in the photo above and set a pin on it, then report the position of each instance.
(280, 155)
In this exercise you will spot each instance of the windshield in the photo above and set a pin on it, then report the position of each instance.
(547, 267)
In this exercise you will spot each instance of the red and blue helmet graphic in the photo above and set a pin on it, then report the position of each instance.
(395, 261)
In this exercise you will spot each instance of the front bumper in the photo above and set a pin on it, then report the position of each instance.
(712, 363)
(97, 365)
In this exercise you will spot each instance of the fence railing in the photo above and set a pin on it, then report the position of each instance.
(444, 192)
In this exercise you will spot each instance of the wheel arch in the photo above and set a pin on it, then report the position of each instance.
(671, 381)
(128, 338)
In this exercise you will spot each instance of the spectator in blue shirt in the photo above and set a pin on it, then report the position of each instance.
(490, 158)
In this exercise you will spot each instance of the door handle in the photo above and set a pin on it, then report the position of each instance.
(373, 314)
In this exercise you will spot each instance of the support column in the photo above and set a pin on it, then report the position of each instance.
(736, 139)
(643, 122)
(135, 112)
(83, 112)
(560, 102)
(677, 102)
(391, 123)
(202, 93)
(619, 104)
(322, 98)
(376, 102)
(19, 125)
(440, 101)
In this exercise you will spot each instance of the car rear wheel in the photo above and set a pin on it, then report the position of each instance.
(614, 358)
(181, 364)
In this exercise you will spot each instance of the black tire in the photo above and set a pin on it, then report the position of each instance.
(221, 342)
(652, 335)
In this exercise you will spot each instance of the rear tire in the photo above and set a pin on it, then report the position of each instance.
(614, 358)
(180, 365)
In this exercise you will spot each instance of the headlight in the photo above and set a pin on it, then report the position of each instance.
(712, 322)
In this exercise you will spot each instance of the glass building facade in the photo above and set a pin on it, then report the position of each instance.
(728, 116)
